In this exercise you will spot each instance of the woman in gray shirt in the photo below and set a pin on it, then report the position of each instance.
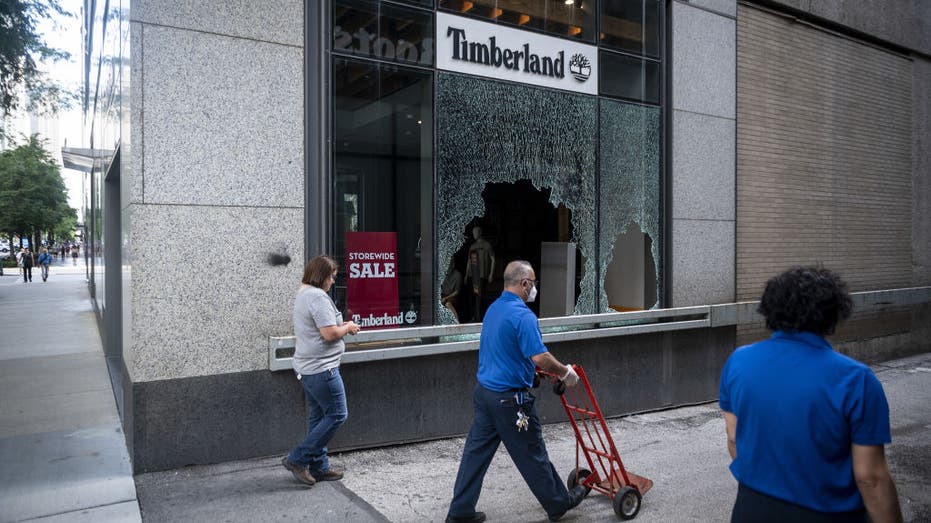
(319, 328)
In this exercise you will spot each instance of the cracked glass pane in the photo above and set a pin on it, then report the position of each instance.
(630, 207)
(513, 161)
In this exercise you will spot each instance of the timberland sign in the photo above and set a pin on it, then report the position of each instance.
(494, 51)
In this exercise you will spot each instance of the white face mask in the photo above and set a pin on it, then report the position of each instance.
(533, 294)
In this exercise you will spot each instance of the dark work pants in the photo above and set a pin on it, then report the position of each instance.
(755, 507)
(494, 417)
(27, 273)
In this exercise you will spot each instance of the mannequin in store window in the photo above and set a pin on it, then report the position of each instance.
(480, 271)
(449, 290)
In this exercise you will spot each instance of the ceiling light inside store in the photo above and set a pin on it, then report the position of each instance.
(570, 2)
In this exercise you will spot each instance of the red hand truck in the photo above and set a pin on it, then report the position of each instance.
(606, 473)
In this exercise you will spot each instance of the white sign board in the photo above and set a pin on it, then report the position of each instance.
(496, 51)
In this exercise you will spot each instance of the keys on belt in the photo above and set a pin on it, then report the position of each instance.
(523, 420)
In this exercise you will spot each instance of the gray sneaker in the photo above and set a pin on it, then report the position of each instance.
(300, 473)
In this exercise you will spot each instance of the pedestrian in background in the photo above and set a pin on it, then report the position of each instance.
(805, 425)
(27, 260)
(319, 329)
(44, 260)
(503, 407)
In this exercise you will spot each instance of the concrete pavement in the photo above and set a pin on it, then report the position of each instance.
(62, 451)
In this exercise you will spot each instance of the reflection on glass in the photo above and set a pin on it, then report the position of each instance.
(382, 171)
(382, 30)
(631, 25)
(567, 18)
(628, 77)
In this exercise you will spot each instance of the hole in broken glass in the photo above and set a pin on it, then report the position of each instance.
(518, 220)
(630, 278)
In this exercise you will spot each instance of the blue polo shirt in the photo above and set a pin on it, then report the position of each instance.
(799, 407)
(510, 337)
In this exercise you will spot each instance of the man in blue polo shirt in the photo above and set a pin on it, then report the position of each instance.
(503, 407)
(805, 425)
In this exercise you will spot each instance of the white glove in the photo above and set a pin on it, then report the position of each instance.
(571, 379)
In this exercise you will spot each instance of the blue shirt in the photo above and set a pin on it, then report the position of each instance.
(799, 407)
(510, 337)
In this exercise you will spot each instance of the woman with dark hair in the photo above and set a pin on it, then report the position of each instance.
(319, 329)
(805, 425)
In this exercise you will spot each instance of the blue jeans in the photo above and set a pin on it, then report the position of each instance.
(326, 411)
(494, 414)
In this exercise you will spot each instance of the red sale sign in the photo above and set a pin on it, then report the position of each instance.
(372, 279)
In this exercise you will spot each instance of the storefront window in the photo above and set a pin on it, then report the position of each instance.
(384, 31)
(628, 77)
(567, 181)
(631, 25)
(566, 18)
(382, 226)
(515, 177)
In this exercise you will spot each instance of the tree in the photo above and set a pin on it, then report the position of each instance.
(22, 49)
(33, 197)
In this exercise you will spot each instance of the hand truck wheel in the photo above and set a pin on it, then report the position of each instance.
(577, 477)
(626, 502)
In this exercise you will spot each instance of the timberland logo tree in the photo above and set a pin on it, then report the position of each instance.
(580, 67)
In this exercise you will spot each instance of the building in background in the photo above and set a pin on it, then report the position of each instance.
(641, 154)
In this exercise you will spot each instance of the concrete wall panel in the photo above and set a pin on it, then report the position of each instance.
(280, 21)
(223, 120)
(703, 147)
(703, 263)
(126, 289)
(204, 301)
(704, 166)
(724, 7)
(130, 118)
(703, 62)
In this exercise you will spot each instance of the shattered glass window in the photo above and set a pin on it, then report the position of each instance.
(630, 207)
(513, 158)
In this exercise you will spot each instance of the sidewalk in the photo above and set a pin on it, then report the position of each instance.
(62, 452)
(682, 450)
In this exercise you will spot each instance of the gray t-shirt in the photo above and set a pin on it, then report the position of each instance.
(313, 308)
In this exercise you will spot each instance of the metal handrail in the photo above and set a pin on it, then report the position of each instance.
(589, 326)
